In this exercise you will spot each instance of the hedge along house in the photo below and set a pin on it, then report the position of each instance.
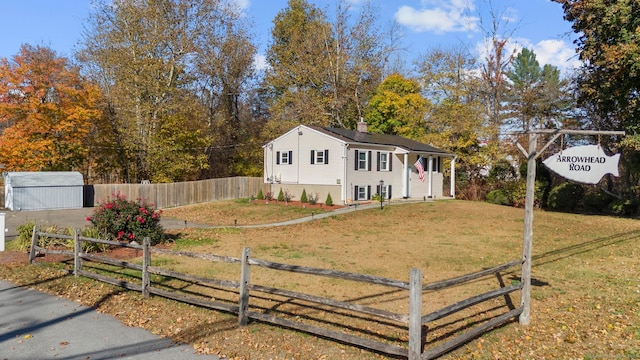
(351, 165)
(43, 190)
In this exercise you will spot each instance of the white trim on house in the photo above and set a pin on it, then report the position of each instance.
(352, 161)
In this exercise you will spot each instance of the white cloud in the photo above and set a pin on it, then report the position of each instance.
(557, 53)
(439, 17)
(260, 62)
(553, 52)
(241, 4)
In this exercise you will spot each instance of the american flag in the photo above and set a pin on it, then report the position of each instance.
(420, 168)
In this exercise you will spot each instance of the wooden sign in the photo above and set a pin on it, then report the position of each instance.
(585, 164)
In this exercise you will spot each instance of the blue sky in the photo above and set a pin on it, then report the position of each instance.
(425, 24)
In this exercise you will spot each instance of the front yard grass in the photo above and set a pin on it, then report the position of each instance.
(585, 296)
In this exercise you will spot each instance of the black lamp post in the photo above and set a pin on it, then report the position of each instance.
(381, 196)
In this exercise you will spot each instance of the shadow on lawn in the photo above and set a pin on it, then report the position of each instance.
(576, 249)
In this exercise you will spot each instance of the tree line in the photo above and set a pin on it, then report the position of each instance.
(168, 90)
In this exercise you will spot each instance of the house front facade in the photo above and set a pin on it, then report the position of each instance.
(355, 166)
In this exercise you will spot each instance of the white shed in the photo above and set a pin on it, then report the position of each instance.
(43, 190)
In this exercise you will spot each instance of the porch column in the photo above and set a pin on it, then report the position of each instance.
(452, 193)
(430, 174)
(405, 176)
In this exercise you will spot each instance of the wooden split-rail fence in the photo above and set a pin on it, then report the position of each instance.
(414, 321)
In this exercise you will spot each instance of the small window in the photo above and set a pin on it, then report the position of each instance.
(362, 160)
(284, 157)
(320, 156)
(363, 193)
(384, 161)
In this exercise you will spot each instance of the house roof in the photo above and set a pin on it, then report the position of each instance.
(379, 139)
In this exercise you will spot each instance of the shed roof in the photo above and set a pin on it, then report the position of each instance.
(43, 178)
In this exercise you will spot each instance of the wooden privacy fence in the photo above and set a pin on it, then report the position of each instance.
(246, 294)
(164, 195)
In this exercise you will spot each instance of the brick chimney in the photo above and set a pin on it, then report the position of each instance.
(362, 126)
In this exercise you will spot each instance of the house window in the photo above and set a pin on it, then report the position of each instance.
(362, 192)
(386, 191)
(363, 160)
(284, 157)
(320, 156)
(384, 161)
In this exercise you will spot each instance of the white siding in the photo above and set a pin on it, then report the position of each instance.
(301, 141)
(372, 177)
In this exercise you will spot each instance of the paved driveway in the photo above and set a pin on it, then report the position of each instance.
(37, 326)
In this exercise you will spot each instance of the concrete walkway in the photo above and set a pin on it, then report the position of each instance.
(35, 325)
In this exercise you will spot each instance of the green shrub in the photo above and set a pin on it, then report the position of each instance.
(622, 207)
(287, 196)
(516, 192)
(281, 195)
(329, 201)
(565, 197)
(88, 246)
(313, 199)
(124, 220)
(25, 233)
(597, 201)
(498, 197)
(260, 195)
(303, 197)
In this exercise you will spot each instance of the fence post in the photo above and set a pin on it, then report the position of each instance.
(34, 243)
(245, 274)
(77, 250)
(415, 314)
(146, 262)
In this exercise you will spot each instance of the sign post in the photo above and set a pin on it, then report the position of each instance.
(2, 231)
(527, 243)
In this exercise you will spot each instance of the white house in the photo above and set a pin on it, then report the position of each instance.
(351, 165)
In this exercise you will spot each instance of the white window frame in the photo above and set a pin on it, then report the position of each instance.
(362, 193)
(320, 157)
(284, 158)
(384, 162)
(362, 161)
(384, 192)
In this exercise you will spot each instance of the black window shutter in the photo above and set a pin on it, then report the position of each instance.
(277, 157)
(378, 190)
(389, 192)
(326, 156)
(378, 166)
(313, 157)
(390, 160)
(368, 192)
(355, 193)
(357, 159)
(369, 160)
(290, 157)
(439, 164)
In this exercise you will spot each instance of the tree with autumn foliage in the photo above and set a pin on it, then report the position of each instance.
(46, 112)
(397, 108)
(609, 82)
